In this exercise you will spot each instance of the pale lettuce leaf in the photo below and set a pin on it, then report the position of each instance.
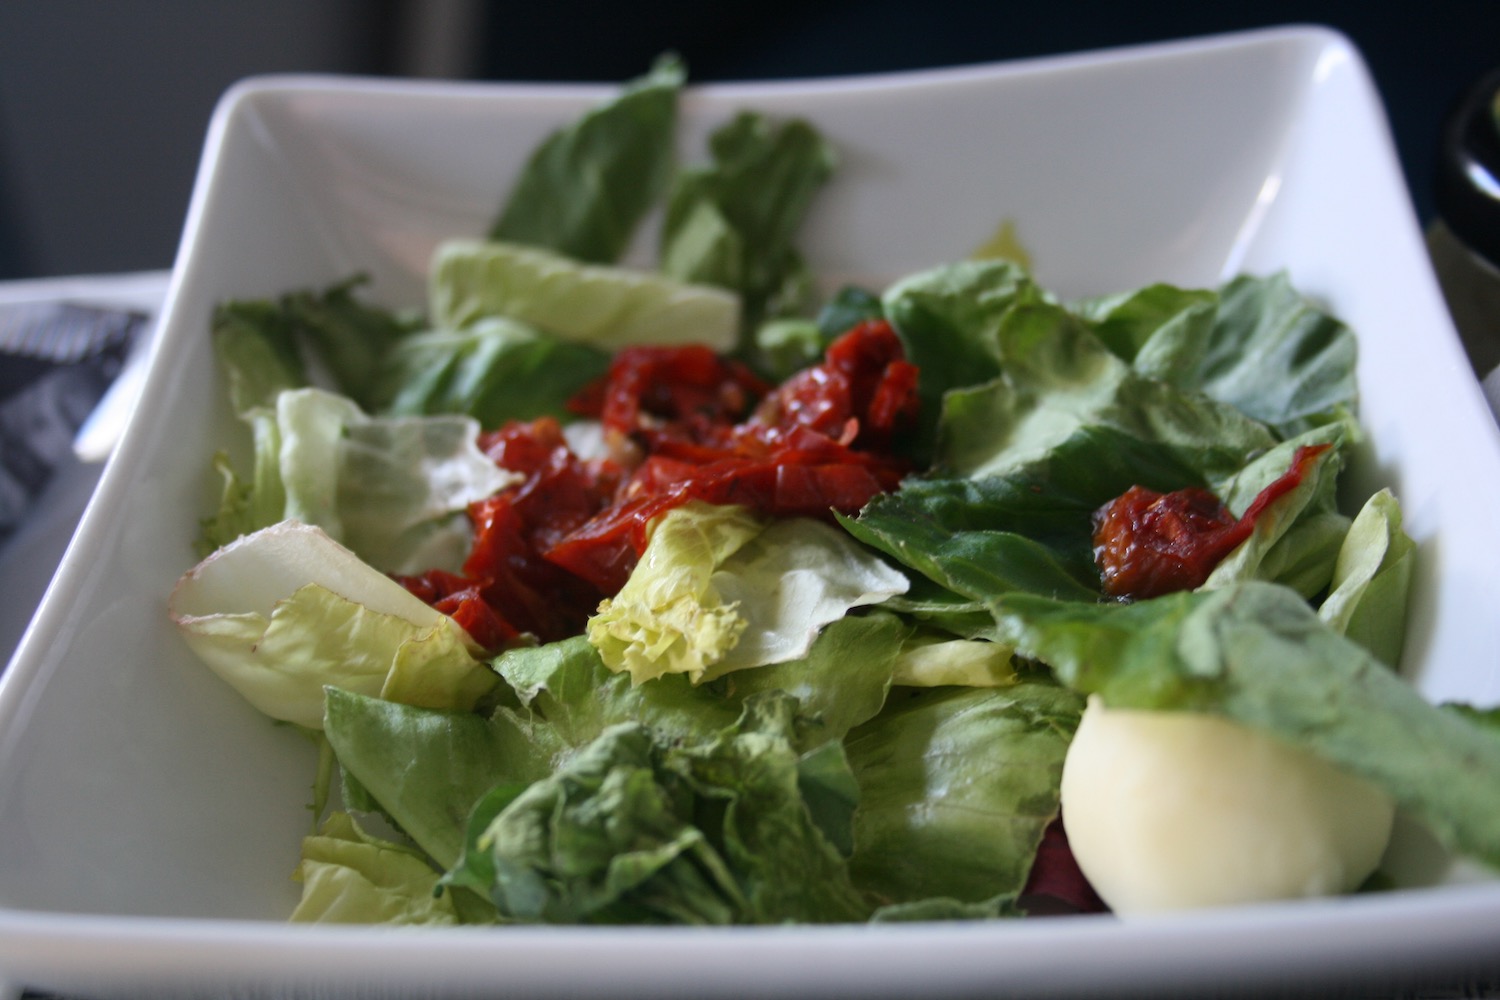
(934, 660)
(392, 489)
(351, 877)
(286, 611)
(603, 306)
(426, 768)
(791, 580)
(668, 618)
(717, 590)
(1372, 579)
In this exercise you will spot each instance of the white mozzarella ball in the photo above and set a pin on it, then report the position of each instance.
(1173, 810)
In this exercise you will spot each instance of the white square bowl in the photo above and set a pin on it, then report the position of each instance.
(150, 819)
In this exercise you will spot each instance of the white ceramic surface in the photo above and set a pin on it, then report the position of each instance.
(149, 819)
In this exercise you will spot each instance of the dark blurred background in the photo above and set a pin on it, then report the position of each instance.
(104, 103)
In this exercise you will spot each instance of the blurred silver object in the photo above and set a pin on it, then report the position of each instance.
(1464, 241)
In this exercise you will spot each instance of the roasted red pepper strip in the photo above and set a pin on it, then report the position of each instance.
(1148, 543)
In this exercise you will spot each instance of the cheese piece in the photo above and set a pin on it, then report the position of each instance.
(1175, 810)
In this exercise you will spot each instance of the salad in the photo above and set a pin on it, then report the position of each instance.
(675, 596)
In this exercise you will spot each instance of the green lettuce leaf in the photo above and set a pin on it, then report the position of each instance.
(956, 787)
(1059, 378)
(426, 769)
(1255, 343)
(587, 186)
(734, 222)
(1029, 531)
(850, 306)
(247, 506)
(843, 680)
(1278, 358)
(256, 346)
(1027, 527)
(1160, 330)
(350, 338)
(567, 692)
(260, 344)
(948, 320)
(785, 345)
(1297, 537)
(494, 371)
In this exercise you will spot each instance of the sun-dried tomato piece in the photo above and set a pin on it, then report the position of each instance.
(681, 424)
(1148, 543)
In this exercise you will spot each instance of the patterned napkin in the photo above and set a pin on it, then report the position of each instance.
(57, 359)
